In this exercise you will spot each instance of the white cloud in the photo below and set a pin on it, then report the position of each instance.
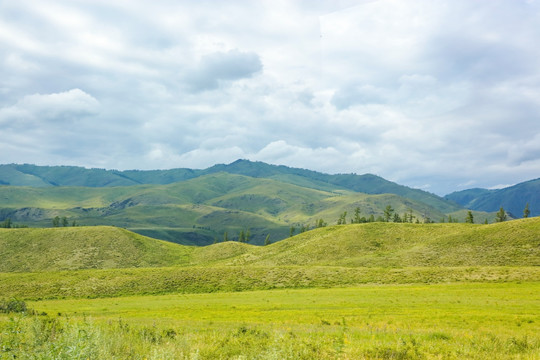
(430, 94)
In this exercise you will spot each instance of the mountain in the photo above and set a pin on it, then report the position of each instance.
(53, 176)
(373, 245)
(200, 210)
(513, 199)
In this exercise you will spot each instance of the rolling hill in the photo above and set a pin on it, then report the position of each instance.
(50, 176)
(30, 250)
(383, 245)
(199, 211)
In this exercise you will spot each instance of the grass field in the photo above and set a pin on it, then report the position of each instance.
(366, 291)
(441, 321)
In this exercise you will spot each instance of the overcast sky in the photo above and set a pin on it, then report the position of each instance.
(439, 95)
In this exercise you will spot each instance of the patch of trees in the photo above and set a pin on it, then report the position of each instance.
(64, 222)
(8, 224)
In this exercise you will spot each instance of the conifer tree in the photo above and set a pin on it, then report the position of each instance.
(469, 219)
(526, 211)
(501, 215)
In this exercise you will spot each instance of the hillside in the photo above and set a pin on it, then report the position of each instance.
(199, 211)
(512, 243)
(49, 176)
(100, 247)
(513, 199)
(373, 245)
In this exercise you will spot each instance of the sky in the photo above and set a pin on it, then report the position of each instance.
(437, 95)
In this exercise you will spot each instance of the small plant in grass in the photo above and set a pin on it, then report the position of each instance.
(13, 306)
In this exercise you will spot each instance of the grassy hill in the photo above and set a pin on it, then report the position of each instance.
(394, 245)
(199, 211)
(513, 243)
(47, 176)
(84, 248)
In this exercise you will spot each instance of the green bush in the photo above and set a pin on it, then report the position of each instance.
(12, 306)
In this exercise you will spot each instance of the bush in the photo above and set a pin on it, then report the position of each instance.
(12, 306)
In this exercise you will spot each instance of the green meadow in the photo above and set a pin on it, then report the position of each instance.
(438, 321)
(361, 291)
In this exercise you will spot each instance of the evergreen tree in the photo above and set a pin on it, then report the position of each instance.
(469, 219)
(241, 237)
(397, 219)
(56, 221)
(501, 215)
(248, 235)
(7, 224)
(526, 211)
(356, 219)
(225, 237)
(371, 218)
(291, 231)
(65, 221)
(267, 240)
(388, 213)
(342, 219)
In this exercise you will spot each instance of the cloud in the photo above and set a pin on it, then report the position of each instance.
(429, 94)
(65, 106)
(223, 67)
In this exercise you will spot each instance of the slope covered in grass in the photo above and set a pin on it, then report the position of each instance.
(84, 248)
(512, 243)
(200, 210)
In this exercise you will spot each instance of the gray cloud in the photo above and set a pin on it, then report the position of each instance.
(223, 67)
(429, 94)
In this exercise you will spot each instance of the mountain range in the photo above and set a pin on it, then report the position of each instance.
(197, 207)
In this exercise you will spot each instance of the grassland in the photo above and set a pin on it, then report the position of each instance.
(366, 291)
(444, 321)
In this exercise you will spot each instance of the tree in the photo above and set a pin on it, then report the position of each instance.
(469, 219)
(242, 237)
(356, 219)
(56, 221)
(388, 213)
(397, 219)
(225, 237)
(526, 211)
(501, 215)
(65, 221)
(320, 223)
(342, 219)
(248, 235)
(291, 231)
(7, 224)
(267, 240)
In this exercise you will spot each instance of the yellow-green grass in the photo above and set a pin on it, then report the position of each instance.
(83, 248)
(208, 279)
(514, 243)
(444, 321)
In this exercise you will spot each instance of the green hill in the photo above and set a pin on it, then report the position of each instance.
(47, 176)
(512, 243)
(385, 245)
(199, 211)
(513, 199)
(100, 247)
